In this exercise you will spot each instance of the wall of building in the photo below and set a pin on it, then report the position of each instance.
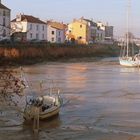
(79, 31)
(51, 34)
(109, 32)
(4, 23)
(55, 35)
(60, 36)
(100, 36)
(36, 31)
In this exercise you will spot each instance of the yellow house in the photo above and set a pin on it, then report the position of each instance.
(82, 31)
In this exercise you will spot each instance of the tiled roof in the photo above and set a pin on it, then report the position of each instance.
(29, 18)
(57, 25)
(3, 7)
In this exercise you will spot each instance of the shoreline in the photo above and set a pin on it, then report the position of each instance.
(9, 64)
(22, 54)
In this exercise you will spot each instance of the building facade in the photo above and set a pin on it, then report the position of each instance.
(5, 15)
(56, 32)
(28, 28)
(100, 36)
(82, 31)
(107, 29)
(108, 32)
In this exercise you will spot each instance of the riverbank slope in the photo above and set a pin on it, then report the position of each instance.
(26, 54)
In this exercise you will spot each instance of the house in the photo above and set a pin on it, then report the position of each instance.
(56, 32)
(100, 36)
(82, 31)
(5, 14)
(108, 30)
(28, 28)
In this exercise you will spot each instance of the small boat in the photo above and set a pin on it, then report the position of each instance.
(127, 56)
(130, 61)
(48, 106)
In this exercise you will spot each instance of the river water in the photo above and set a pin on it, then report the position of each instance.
(100, 98)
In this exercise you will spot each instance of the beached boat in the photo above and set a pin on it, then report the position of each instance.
(47, 105)
(127, 56)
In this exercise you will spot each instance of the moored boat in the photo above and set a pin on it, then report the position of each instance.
(127, 56)
(48, 106)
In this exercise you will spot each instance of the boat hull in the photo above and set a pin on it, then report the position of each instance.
(43, 107)
(129, 62)
(51, 113)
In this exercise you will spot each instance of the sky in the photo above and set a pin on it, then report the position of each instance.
(112, 12)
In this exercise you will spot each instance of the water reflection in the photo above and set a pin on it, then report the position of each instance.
(128, 70)
(97, 95)
(76, 75)
(51, 123)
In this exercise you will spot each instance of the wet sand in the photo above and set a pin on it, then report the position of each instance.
(65, 134)
(101, 102)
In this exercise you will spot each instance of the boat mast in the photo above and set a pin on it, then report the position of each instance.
(127, 33)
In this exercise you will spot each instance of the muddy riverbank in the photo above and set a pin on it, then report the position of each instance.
(27, 54)
(101, 101)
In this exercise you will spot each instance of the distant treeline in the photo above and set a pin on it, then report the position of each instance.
(25, 53)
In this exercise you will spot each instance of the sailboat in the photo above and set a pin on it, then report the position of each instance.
(127, 57)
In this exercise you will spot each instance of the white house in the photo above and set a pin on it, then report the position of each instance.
(27, 28)
(56, 32)
(4, 22)
(108, 30)
(100, 36)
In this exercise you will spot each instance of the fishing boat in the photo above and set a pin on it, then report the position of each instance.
(48, 106)
(127, 56)
(42, 104)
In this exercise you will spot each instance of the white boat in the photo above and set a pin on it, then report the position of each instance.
(130, 61)
(127, 57)
(48, 106)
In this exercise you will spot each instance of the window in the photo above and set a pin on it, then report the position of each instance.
(4, 32)
(37, 36)
(80, 37)
(43, 28)
(37, 27)
(4, 13)
(52, 32)
(8, 13)
(53, 39)
(80, 26)
(59, 33)
(30, 26)
(31, 35)
(42, 36)
(59, 40)
(4, 22)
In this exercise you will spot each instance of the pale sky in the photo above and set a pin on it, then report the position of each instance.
(111, 11)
